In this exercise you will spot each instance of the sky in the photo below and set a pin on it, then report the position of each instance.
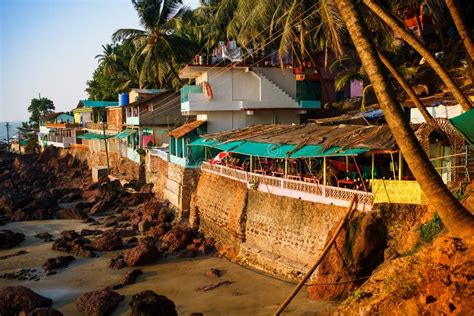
(48, 47)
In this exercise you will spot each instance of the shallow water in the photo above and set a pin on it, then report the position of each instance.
(251, 293)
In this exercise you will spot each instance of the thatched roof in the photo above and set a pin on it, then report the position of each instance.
(342, 136)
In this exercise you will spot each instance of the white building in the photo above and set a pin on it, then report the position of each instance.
(234, 97)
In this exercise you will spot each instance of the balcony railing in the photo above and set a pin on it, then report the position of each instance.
(186, 90)
(295, 189)
(62, 125)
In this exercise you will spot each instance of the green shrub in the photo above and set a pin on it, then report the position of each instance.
(429, 230)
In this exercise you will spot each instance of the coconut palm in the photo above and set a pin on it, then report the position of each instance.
(454, 10)
(158, 46)
(397, 27)
(455, 217)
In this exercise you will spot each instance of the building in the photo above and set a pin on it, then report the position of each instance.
(234, 97)
(148, 122)
(91, 113)
(59, 130)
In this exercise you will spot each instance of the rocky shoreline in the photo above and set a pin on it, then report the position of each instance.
(126, 221)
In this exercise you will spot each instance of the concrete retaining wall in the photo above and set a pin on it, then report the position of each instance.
(278, 235)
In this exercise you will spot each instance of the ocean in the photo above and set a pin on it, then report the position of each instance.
(13, 130)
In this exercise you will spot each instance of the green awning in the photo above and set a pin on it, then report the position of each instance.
(309, 151)
(270, 150)
(125, 133)
(464, 124)
(94, 136)
(204, 142)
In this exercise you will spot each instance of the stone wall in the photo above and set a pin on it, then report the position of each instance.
(156, 173)
(180, 183)
(218, 209)
(278, 235)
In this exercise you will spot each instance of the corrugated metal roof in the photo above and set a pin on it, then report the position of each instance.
(185, 129)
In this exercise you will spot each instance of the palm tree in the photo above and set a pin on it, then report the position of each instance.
(454, 10)
(395, 25)
(455, 217)
(158, 46)
(406, 87)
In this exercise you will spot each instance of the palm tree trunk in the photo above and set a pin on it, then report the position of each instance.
(454, 216)
(405, 86)
(456, 14)
(392, 22)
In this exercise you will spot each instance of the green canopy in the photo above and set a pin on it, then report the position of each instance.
(309, 151)
(94, 136)
(125, 133)
(464, 124)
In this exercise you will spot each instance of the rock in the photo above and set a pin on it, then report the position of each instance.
(14, 299)
(98, 303)
(117, 262)
(101, 207)
(18, 253)
(70, 197)
(358, 250)
(71, 213)
(130, 276)
(70, 241)
(177, 238)
(144, 253)
(111, 221)
(9, 239)
(22, 275)
(89, 232)
(42, 311)
(148, 303)
(45, 236)
(213, 273)
(58, 262)
(108, 242)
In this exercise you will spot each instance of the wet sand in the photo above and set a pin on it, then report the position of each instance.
(251, 293)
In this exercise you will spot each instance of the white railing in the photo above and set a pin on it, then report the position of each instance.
(313, 192)
(160, 153)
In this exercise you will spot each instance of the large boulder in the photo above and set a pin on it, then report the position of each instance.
(71, 213)
(148, 303)
(357, 251)
(9, 239)
(107, 242)
(177, 238)
(144, 253)
(57, 263)
(98, 303)
(14, 299)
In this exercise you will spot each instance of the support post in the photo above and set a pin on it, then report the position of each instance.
(251, 164)
(324, 171)
(347, 165)
(400, 165)
(286, 166)
(373, 166)
(106, 147)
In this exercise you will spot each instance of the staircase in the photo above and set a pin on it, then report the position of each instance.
(280, 93)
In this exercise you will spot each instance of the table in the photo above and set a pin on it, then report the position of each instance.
(278, 174)
(293, 177)
(348, 182)
(260, 171)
